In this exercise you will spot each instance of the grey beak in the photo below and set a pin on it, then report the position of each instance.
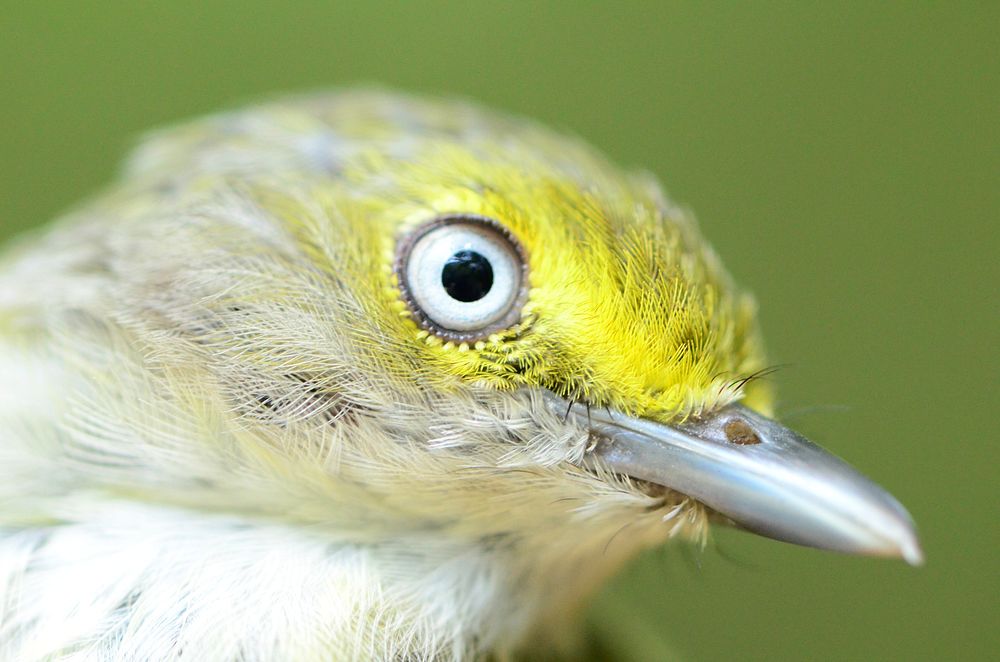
(761, 475)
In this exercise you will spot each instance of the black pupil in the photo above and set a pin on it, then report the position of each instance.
(467, 276)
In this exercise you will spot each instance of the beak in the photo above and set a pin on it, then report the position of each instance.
(759, 474)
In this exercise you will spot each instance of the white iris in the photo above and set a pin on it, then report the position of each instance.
(425, 268)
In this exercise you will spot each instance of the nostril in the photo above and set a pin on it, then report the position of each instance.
(739, 432)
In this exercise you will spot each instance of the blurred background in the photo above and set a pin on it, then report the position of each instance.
(844, 160)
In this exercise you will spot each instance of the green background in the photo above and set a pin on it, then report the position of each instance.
(844, 160)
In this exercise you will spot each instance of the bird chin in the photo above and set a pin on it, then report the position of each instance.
(672, 501)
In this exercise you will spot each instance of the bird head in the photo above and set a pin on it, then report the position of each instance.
(411, 322)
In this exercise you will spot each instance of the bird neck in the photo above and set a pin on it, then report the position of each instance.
(136, 581)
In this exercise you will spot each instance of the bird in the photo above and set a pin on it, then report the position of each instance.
(365, 375)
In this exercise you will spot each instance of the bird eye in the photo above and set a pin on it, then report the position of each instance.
(463, 277)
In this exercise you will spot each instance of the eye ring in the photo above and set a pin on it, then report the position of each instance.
(419, 267)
